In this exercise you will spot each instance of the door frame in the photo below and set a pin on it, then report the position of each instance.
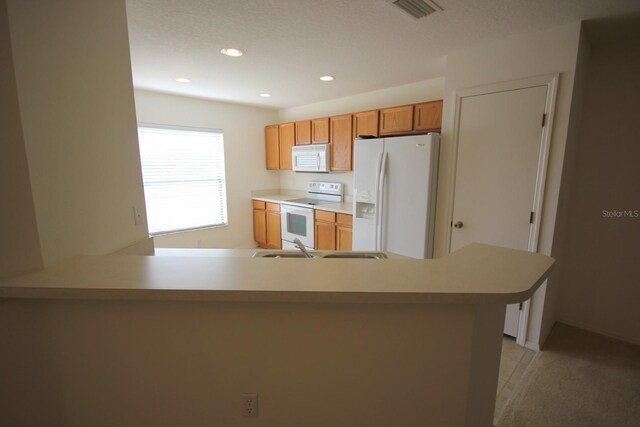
(550, 81)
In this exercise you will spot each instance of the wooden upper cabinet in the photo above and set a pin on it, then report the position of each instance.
(303, 132)
(365, 124)
(341, 142)
(396, 120)
(287, 141)
(428, 116)
(320, 131)
(272, 146)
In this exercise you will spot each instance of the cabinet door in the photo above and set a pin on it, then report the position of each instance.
(396, 120)
(272, 146)
(260, 227)
(341, 142)
(320, 131)
(287, 140)
(365, 124)
(303, 132)
(428, 116)
(343, 237)
(325, 236)
(344, 232)
(274, 237)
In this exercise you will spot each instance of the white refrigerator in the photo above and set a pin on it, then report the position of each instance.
(395, 194)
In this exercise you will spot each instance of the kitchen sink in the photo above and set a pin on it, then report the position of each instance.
(283, 254)
(356, 255)
(343, 255)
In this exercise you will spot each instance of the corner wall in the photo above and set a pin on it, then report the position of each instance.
(75, 92)
(244, 153)
(19, 245)
(566, 186)
(600, 271)
(547, 52)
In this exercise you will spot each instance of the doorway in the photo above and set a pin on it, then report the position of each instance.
(502, 144)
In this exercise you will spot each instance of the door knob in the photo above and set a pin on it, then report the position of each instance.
(458, 224)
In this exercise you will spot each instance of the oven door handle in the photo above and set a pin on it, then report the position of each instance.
(301, 211)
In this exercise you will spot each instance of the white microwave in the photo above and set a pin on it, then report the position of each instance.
(311, 158)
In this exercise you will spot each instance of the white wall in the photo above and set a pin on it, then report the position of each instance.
(171, 363)
(566, 186)
(19, 244)
(244, 151)
(73, 76)
(600, 271)
(426, 90)
(546, 52)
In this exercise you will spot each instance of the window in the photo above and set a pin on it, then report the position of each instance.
(183, 175)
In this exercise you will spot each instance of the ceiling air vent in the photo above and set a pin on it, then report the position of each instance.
(417, 8)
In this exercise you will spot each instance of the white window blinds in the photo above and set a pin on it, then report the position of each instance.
(184, 180)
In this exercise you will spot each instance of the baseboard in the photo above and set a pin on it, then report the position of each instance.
(598, 331)
(532, 345)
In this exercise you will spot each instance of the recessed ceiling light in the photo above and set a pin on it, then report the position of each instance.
(183, 80)
(231, 51)
(326, 78)
(265, 95)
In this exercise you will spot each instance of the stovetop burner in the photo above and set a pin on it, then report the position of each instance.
(319, 193)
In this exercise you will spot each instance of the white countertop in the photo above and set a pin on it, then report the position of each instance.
(476, 274)
(275, 198)
(343, 208)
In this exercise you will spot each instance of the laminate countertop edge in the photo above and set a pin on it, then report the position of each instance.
(476, 274)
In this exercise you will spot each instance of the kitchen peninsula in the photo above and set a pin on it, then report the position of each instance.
(343, 342)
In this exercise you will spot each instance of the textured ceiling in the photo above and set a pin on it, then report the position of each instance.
(365, 44)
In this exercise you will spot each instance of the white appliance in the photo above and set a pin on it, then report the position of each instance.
(395, 193)
(311, 158)
(297, 216)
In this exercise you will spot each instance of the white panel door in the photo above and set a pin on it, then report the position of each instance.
(498, 152)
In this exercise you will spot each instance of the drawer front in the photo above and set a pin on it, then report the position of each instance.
(258, 204)
(325, 216)
(344, 219)
(273, 207)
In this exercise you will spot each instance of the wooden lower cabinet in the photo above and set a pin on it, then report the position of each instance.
(332, 231)
(266, 224)
(344, 232)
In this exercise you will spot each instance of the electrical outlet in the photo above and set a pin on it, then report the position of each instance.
(250, 405)
(137, 216)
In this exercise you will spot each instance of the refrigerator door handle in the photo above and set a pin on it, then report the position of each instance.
(380, 201)
(377, 193)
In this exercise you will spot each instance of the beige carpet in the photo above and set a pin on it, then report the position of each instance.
(579, 379)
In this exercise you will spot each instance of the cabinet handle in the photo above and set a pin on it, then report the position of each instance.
(458, 224)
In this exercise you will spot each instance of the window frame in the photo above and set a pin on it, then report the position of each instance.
(187, 129)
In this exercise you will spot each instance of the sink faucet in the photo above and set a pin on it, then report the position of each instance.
(300, 246)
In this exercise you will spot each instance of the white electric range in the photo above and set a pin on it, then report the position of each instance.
(297, 216)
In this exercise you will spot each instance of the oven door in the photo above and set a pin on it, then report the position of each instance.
(297, 222)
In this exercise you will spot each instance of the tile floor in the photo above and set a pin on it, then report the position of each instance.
(514, 362)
